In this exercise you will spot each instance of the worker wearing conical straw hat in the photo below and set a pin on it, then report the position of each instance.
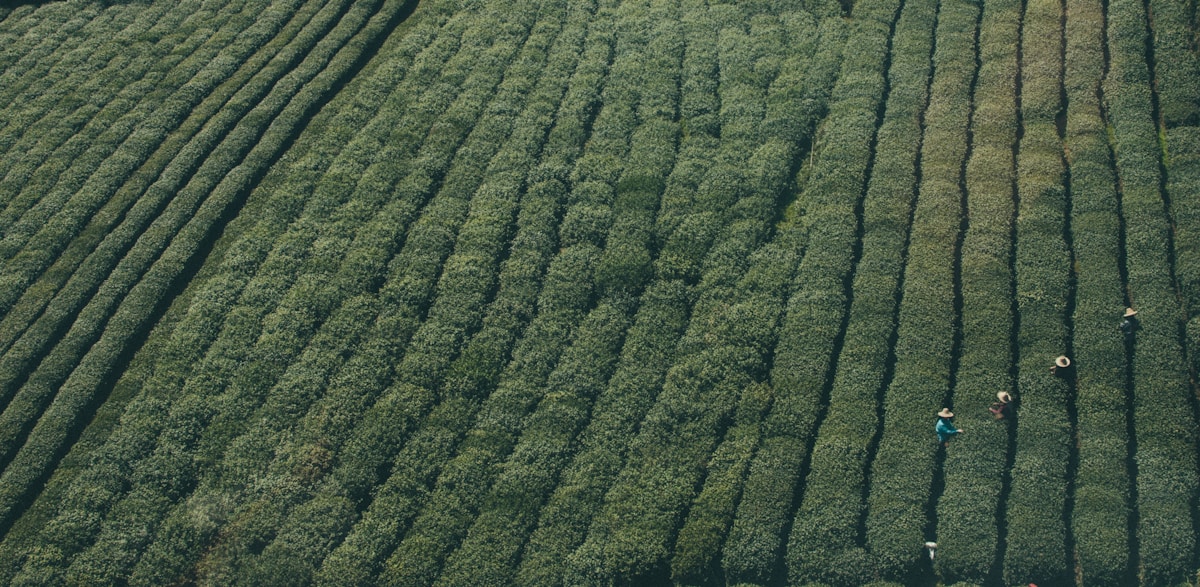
(1062, 366)
(1129, 324)
(1002, 407)
(945, 428)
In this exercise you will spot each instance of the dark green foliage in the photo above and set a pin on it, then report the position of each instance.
(752, 551)
(1176, 66)
(902, 472)
(1100, 519)
(1163, 416)
(700, 539)
(969, 507)
(1037, 533)
(825, 544)
(595, 293)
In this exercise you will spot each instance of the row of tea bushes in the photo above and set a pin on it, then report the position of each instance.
(296, 96)
(434, 207)
(1164, 421)
(970, 507)
(1037, 529)
(1100, 518)
(825, 542)
(902, 475)
(104, 334)
(650, 345)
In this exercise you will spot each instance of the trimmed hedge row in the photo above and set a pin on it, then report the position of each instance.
(1164, 421)
(825, 545)
(662, 316)
(491, 548)
(488, 501)
(695, 555)
(518, 292)
(629, 536)
(430, 240)
(105, 174)
(16, 23)
(1176, 66)
(61, 205)
(795, 106)
(130, 269)
(502, 413)
(537, 430)
(150, 414)
(1100, 515)
(795, 99)
(969, 509)
(127, 249)
(144, 261)
(400, 499)
(326, 66)
(1183, 176)
(731, 326)
(566, 515)
(121, 61)
(69, 112)
(754, 545)
(699, 103)
(1037, 533)
(903, 470)
(566, 294)
(52, 35)
(396, 500)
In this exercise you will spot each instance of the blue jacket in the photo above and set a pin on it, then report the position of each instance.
(945, 429)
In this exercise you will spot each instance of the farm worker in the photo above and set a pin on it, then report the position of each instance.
(1061, 366)
(945, 428)
(1130, 324)
(1003, 406)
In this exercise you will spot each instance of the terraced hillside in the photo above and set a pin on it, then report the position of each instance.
(598, 292)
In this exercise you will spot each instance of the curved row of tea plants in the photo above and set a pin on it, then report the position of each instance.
(1163, 401)
(134, 304)
(825, 544)
(310, 84)
(971, 506)
(292, 391)
(902, 474)
(1037, 505)
(1100, 517)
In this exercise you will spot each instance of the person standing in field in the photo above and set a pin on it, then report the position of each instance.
(1129, 324)
(945, 428)
(1062, 367)
(1002, 407)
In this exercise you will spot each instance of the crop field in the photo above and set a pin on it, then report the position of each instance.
(598, 292)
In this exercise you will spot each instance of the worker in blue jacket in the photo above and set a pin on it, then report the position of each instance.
(946, 428)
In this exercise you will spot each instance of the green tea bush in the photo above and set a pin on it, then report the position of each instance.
(824, 544)
(319, 73)
(66, 118)
(1035, 511)
(902, 471)
(1176, 66)
(1164, 424)
(1100, 517)
(749, 552)
(531, 470)
(968, 509)
(430, 242)
(631, 538)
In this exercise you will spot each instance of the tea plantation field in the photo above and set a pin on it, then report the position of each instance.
(598, 292)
